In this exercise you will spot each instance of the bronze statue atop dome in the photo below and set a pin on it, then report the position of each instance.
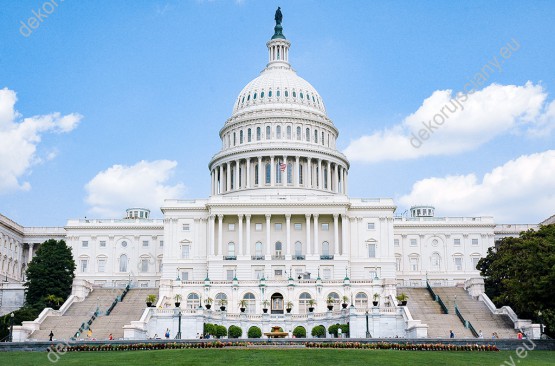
(278, 17)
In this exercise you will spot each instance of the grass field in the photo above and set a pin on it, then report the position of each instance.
(288, 357)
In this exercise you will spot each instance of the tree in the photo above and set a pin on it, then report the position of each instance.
(221, 331)
(318, 331)
(299, 332)
(235, 331)
(50, 273)
(520, 273)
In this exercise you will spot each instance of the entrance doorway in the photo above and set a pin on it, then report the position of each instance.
(277, 303)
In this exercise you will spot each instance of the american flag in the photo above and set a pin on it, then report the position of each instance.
(282, 166)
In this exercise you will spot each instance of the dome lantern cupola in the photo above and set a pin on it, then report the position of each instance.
(278, 46)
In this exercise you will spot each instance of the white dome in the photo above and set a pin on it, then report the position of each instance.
(279, 87)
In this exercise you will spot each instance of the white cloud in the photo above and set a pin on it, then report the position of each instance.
(445, 124)
(120, 187)
(514, 192)
(19, 140)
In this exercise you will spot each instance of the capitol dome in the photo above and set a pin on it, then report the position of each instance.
(279, 136)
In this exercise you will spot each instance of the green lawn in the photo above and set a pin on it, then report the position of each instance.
(288, 357)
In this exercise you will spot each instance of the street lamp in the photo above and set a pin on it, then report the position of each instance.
(541, 325)
(367, 329)
(11, 327)
(178, 312)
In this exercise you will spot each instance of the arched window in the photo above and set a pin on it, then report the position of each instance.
(277, 94)
(268, 132)
(294, 94)
(193, 301)
(258, 249)
(231, 249)
(322, 137)
(299, 134)
(278, 172)
(361, 300)
(268, 173)
(220, 296)
(315, 137)
(251, 302)
(262, 95)
(278, 132)
(278, 246)
(300, 174)
(289, 132)
(325, 248)
(254, 97)
(249, 135)
(234, 139)
(241, 136)
(289, 173)
(307, 134)
(325, 178)
(256, 174)
(286, 93)
(123, 263)
(303, 302)
(335, 297)
(258, 133)
(270, 94)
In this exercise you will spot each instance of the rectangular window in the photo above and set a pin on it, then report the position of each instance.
(298, 226)
(326, 273)
(258, 227)
(277, 227)
(231, 227)
(413, 242)
(475, 261)
(258, 273)
(185, 251)
(230, 274)
(84, 265)
(474, 241)
(186, 227)
(85, 243)
(457, 242)
(370, 226)
(101, 265)
(161, 243)
(458, 263)
(371, 250)
(325, 227)
(145, 243)
(103, 243)
(414, 264)
(278, 272)
(144, 265)
(396, 242)
(184, 275)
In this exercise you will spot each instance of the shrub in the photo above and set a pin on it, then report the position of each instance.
(235, 331)
(254, 332)
(299, 332)
(344, 328)
(209, 329)
(332, 329)
(318, 331)
(221, 331)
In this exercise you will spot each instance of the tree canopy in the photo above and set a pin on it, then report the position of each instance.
(520, 272)
(50, 274)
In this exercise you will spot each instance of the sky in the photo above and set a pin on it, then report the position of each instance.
(106, 105)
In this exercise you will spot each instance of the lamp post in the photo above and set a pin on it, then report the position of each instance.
(367, 329)
(11, 327)
(541, 325)
(178, 312)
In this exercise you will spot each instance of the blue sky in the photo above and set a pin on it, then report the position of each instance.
(112, 104)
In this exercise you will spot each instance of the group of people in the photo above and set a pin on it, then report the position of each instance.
(89, 336)
(494, 335)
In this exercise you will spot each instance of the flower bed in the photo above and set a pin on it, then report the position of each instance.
(404, 346)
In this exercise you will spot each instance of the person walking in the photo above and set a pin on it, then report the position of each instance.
(50, 336)
(89, 333)
(167, 333)
(480, 334)
(451, 334)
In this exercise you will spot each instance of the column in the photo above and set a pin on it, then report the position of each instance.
(272, 172)
(261, 175)
(248, 231)
(221, 179)
(346, 182)
(31, 246)
(328, 178)
(248, 185)
(288, 234)
(296, 171)
(336, 179)
(319, 184)
(284, 175)
(236, 185)
(336, 234)
(220, 234)
(228, 177)
(344, 231)
(212, 182)
(308, 246)
(316, 243)
(268, 238)
(211, 234)
(240, 246)
(308, 183)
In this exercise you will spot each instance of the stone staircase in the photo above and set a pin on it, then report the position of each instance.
(64, 327)
(476, 312)
(423, 307)
(131, 308)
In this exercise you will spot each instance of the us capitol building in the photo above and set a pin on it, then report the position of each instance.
(278, 229)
